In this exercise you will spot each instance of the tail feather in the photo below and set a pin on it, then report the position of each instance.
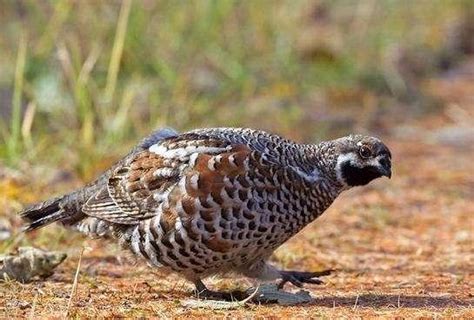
(44, 213)
(68, 208)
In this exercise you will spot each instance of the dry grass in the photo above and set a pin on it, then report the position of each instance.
(79, 79)
(401, 248)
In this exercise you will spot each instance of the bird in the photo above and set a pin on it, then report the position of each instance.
(213, 201)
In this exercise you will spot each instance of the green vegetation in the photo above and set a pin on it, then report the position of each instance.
(82, 79)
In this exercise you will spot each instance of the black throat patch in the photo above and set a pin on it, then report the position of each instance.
(355, 176)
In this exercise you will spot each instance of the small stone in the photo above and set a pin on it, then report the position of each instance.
(29, 262)
(5, 229)
(22, 305)
(266, 294)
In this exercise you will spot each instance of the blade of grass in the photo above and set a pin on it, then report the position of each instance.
(27, 124)
(117, 50)
(74, 284)
(82, 98)
(85, 99)
(88, 65)
(356, 302)
(33, 307)
(60, 15)
(118, 124)
(15, 128)
(4, 136)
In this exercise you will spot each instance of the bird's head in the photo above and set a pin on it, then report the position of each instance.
(361, 159)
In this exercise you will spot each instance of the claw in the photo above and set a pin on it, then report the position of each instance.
(322, 273)
(299, 278)
(314, 281)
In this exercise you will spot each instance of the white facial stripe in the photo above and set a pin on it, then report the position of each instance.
(352, 158)
(355, 161)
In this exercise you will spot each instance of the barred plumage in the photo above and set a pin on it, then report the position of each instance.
(215, 200)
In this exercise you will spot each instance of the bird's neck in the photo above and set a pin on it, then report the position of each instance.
(321, 160)
(320, 187)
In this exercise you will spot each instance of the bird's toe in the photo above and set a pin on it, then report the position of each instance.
(298, 278)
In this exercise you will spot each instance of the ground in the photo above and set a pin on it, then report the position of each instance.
(81, 80)
(400, 247)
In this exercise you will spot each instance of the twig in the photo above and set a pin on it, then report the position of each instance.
(250, 297)
(355, 304)
(74, 284)
(33, 307)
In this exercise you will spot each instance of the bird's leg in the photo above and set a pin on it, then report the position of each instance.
(264, 271)
(202, 292)
(298, 278)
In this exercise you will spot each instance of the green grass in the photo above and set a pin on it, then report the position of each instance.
(13, 137)
(88, 78)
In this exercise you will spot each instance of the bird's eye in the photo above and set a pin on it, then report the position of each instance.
(365, 152)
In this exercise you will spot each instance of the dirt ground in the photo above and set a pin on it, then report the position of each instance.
(400, 247)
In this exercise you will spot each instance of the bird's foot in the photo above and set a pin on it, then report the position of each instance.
(221, 296)
(202, 292)
(298, 278)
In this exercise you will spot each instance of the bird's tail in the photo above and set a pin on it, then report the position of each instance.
(68, 208)
(44, 213)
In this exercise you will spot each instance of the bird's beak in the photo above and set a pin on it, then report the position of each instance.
(385, 167)
(387, 173)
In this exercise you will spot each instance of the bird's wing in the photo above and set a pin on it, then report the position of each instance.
(220, 197)
(136, 189)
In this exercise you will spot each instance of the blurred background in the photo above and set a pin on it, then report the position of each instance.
(83, 80)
